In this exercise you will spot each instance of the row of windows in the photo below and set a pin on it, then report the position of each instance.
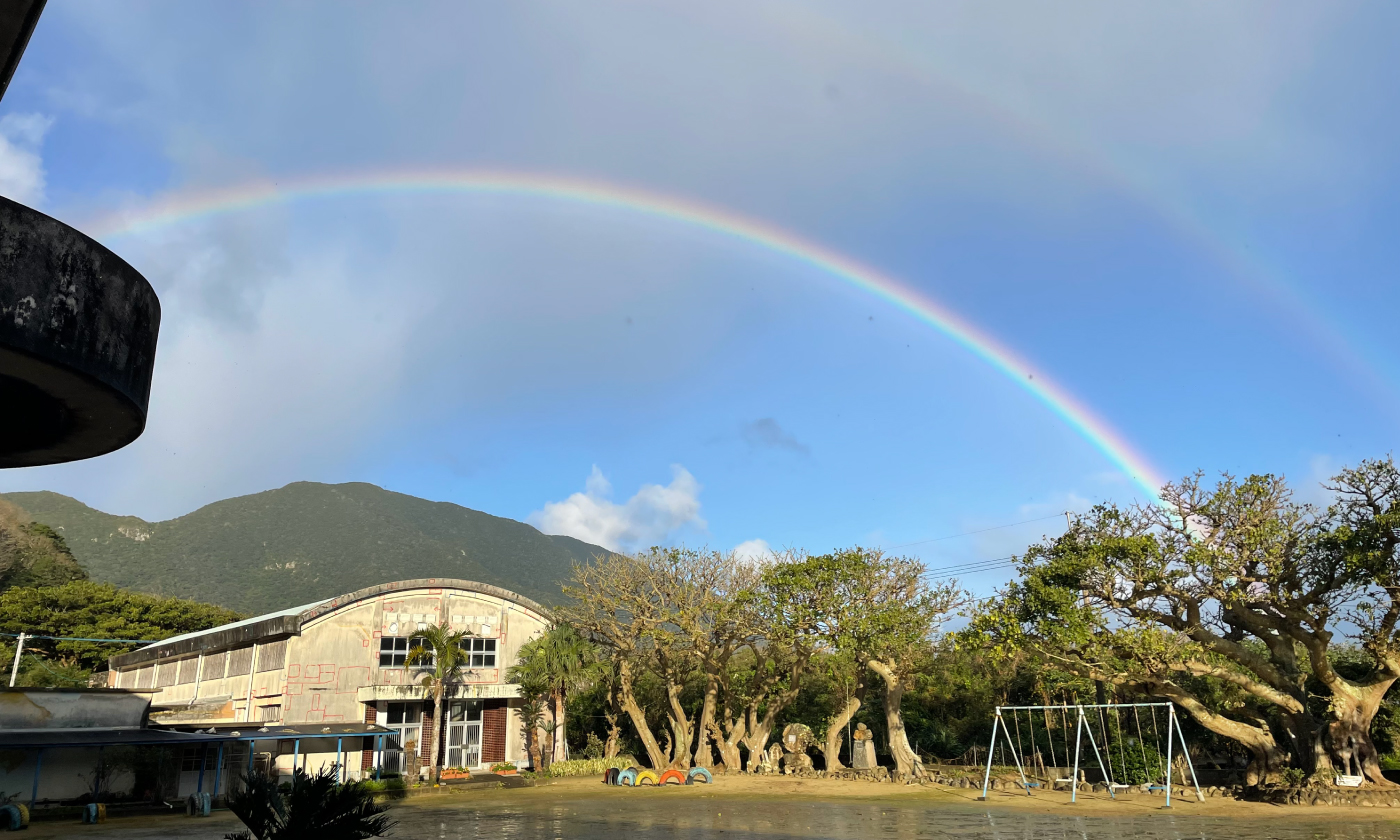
(393, 652)
(217, 666)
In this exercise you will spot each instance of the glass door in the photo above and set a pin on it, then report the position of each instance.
(406, 719)
(464, 734)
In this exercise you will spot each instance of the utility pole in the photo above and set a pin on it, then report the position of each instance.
(14, 669)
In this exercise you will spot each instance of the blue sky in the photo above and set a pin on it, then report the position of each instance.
(1184, 215)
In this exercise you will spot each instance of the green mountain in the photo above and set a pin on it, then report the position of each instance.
(306, 541)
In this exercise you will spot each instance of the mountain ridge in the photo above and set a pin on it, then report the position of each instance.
(306, 541)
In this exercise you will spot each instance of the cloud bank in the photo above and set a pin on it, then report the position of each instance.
(650, 517)
(21, 168)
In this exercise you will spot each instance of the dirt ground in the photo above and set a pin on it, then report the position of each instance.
(766, 806)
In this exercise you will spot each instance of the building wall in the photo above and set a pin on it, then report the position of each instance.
(330, 673)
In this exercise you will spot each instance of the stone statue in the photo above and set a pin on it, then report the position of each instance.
(797, 740)
(863, 749)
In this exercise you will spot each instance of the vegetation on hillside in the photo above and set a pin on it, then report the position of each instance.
(305, 542)
(45, 592)
(33, 554)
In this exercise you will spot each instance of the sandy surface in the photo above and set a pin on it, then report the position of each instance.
(737, 807)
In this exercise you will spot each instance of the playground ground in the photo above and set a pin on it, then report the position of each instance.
(753, 807)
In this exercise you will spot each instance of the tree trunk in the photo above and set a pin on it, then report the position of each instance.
(680, 727)
(908, 765)
(614, 734)
(835, 728)
(704, 756)
(1267, 759)
(560, 750)
(434, 755)
(729, 745)
(1346, 740)
(532, 738)
(638, 717)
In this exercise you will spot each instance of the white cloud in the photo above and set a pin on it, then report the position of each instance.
(648, 518)
(21, 167)
(757, 551)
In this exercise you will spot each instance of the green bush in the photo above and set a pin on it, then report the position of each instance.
(589, 766)
(392, 786)
(1390, 762)
(1133, 763)
(594, 748)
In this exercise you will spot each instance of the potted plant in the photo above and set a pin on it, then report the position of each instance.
(455, 773)
(503, 768)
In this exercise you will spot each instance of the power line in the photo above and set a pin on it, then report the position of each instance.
(28, 636)
(981, 530)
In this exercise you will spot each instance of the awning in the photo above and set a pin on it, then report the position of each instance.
(311, 735)
(95, 737)
(314, 737)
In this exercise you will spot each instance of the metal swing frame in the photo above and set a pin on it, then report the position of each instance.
(1081, 727)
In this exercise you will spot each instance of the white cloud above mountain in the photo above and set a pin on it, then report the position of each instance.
(652, 516)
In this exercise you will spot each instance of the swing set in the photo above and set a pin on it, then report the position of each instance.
(1135, 763)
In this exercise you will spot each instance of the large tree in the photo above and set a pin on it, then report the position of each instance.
(880, 610)
(1226, 600)
(555, 664)
(628, 606)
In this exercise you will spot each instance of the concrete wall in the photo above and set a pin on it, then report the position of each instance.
(65, 774)
(328, 667)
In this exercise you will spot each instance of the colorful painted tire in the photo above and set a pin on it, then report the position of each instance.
(610, 777)
(672, 777)
(14, 817)
(628, 776)
(699, 774)
(645, 777)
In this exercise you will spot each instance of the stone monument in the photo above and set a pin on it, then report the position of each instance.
(797, 740)
(863, 749)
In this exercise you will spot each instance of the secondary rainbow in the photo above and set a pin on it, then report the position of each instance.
(188, 207)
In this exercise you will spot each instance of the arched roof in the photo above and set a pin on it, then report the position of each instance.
(289, 622)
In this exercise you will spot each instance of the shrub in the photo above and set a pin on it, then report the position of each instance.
(594, 748)
(589, 766)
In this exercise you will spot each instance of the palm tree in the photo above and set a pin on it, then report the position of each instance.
(443, 654)
(316, 806)
(531, 715)
(556, 664)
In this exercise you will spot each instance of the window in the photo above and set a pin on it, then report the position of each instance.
(165, 673)
(272, 656)
(213, 667)
(144, 676)
(270, 714)
(483, 652)
(188, 669)
(393, 651)
(189, 761)
(240, 662)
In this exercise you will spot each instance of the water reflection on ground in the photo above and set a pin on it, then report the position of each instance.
(611, 819)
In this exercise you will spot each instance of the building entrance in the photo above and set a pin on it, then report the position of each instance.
(406, 719)
(464, 734)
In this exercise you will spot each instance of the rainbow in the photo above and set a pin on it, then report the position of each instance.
(928, 68)
(188, 207)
